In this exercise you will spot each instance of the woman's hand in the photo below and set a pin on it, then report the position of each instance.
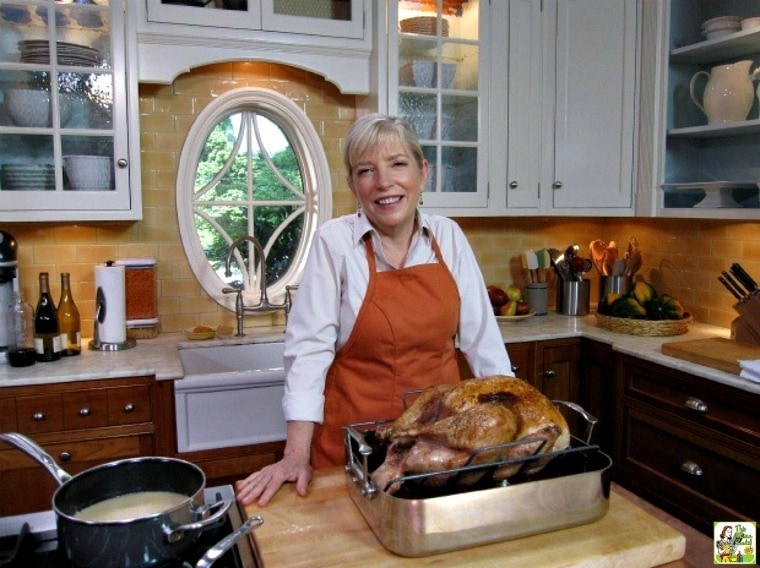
(263, 484)
(294, 467)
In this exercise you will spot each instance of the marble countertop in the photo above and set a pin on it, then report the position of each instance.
(159, 356)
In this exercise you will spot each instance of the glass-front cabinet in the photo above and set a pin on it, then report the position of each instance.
(440, 89)
(711, 100)
(64, 136)
(334, 18)
(328, 37)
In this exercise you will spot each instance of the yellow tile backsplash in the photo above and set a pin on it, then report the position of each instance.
(681, 257)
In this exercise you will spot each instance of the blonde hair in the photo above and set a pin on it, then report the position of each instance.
(372, 130)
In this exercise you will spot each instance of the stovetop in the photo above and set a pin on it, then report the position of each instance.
(39, 548)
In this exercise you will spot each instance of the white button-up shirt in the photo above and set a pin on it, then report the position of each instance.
(332, 291)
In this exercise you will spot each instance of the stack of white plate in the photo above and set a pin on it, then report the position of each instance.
(38, 51)
(720, 26)
(27, 177)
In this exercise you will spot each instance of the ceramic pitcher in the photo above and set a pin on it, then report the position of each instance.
(728, 95)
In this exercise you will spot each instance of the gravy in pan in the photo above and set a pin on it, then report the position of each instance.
(131, 506)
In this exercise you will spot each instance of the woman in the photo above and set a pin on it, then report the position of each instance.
(384, 294)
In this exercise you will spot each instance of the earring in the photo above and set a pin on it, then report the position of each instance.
(358, 210)
(420, 202)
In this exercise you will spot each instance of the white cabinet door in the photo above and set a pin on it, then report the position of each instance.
(77, 156)
(524, 111)
(592, 87)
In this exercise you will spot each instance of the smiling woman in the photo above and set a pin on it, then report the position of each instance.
(252, 165)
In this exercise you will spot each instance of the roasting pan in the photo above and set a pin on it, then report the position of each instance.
(422, 519)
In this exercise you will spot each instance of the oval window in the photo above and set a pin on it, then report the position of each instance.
(252, 164)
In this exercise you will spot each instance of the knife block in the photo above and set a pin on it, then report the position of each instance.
(746, 327)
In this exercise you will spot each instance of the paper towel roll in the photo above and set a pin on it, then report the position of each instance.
(111, 280)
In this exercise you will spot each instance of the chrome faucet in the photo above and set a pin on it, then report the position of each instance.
(264, 305)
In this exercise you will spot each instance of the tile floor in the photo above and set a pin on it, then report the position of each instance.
(699, 547)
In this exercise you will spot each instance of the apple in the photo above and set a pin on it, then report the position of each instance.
(497, 296)
(522, 308)
(514, 293)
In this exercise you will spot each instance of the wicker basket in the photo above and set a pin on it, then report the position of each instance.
(652, 328)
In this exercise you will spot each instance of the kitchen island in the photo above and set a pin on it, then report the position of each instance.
(325, 528)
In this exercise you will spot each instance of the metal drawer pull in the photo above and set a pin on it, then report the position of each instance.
(692, 468)
(549, 374)
(84, 411)
(38, 416)
(64, 456)
(695, 404)
(129, 408)
(515, 368)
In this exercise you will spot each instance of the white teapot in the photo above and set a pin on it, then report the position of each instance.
(728, 94)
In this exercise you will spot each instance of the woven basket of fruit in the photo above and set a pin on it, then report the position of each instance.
(643, 312)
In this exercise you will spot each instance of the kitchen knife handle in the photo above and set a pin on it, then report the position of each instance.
(743, 277)
(729, 287)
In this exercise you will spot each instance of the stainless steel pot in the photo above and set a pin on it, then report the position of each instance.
(144, 541)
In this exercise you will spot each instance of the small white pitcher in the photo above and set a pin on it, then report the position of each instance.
(728, 94)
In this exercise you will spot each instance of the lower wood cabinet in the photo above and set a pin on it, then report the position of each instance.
(80, 424)
(597, 392)
(689, 445)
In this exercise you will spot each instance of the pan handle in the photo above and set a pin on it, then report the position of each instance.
(215, 552)
(589, 418)
(175, 534)
(35, 451)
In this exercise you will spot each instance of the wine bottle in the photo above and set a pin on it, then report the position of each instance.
(47, 338)
(20, 325)
(69, 324)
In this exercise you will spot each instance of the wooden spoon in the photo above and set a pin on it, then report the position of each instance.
(597, 248)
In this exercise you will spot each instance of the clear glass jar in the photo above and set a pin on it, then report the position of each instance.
(20, 327)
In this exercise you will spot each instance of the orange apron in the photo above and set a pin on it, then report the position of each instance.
(403, 340)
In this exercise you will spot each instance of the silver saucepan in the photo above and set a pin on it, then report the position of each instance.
(141, 541)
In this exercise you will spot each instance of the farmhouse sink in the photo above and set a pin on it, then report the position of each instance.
(231, 358)
(231, 395)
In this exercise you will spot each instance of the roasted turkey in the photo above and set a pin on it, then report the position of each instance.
(447, 424)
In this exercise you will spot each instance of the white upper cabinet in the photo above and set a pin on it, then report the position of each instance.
(705, 148)
(330, 37)
(534, 117)
(69, 132)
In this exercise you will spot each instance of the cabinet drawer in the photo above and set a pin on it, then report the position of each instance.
(39, 414)
(29, 487)
(129, 405)
(658, 449)
(704, 402)
(8, 415)
(77, 456)
(85, 409)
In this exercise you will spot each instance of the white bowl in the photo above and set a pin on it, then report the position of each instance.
(32, 108)
(720, 21)
(750, 23)
(89, 172)
(720, 32)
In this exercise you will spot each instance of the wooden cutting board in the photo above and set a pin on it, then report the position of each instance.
(716, 352)
(326, 530)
